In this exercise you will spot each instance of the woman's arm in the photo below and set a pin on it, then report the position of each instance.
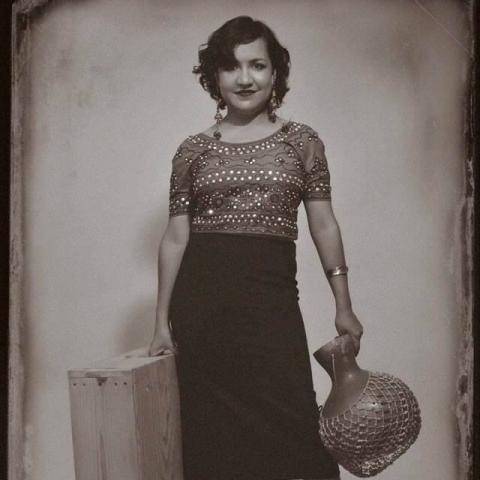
(170, 254)
(327, 238)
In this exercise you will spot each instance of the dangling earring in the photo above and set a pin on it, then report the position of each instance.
(272, 106)
(218, 119)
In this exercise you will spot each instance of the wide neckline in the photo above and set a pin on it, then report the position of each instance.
(264, 139)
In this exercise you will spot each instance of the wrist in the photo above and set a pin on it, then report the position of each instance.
(344, 307)
(161, 332)
(161, 321)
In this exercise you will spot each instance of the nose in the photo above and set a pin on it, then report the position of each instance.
(243, 78)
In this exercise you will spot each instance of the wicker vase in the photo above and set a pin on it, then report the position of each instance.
(370, 418)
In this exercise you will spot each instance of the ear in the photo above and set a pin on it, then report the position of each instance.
(274, 76)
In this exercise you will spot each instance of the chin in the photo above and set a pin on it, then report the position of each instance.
(247, 107)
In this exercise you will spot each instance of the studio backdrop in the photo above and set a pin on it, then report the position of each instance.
(103, 95)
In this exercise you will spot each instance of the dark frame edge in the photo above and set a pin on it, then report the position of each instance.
(474, 140)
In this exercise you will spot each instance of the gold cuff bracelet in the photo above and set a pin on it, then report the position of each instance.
(338, 270)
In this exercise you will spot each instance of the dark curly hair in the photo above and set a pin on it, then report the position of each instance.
(218, 53)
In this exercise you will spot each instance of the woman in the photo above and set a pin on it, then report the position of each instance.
(227, 298)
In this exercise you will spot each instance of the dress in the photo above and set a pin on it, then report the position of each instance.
(248, 406)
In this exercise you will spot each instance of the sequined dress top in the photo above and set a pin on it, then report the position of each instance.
(249, 188)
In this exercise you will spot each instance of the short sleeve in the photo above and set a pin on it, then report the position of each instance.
(180, 195)
(317, 175)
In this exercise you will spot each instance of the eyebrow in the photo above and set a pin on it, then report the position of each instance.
(253, 60)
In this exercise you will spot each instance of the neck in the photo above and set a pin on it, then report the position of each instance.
(339, 363)
(341, 367)
(237, 118)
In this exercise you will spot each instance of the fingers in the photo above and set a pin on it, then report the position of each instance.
(355, 337)
(356, 333)
(356, 341)
(165, 351)
(356, 344)
(149, 352)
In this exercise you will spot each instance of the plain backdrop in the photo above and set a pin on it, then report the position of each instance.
(112, 95)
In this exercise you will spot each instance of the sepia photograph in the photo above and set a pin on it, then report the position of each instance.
(242, 240)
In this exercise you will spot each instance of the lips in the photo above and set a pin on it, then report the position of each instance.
(245, 93)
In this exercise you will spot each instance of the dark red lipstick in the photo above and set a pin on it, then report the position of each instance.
(245, 93)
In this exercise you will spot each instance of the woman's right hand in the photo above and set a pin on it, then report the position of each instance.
(161, 344)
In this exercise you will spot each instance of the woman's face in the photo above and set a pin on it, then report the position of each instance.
(246, 87)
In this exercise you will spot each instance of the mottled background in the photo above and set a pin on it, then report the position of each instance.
(111, 95)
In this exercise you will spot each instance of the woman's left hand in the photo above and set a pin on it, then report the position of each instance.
(347, 322)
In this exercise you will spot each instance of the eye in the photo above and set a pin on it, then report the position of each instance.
(259, 66)
(228, 68)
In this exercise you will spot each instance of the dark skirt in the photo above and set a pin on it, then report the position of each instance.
(248, 407)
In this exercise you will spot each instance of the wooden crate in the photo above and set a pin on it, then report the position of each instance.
(125, 417)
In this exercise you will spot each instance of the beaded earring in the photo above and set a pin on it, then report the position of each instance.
(218, 119)
(273, 104)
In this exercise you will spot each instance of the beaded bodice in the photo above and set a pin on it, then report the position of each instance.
(249, 188)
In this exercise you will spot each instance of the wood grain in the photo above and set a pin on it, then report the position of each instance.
(125, 417)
